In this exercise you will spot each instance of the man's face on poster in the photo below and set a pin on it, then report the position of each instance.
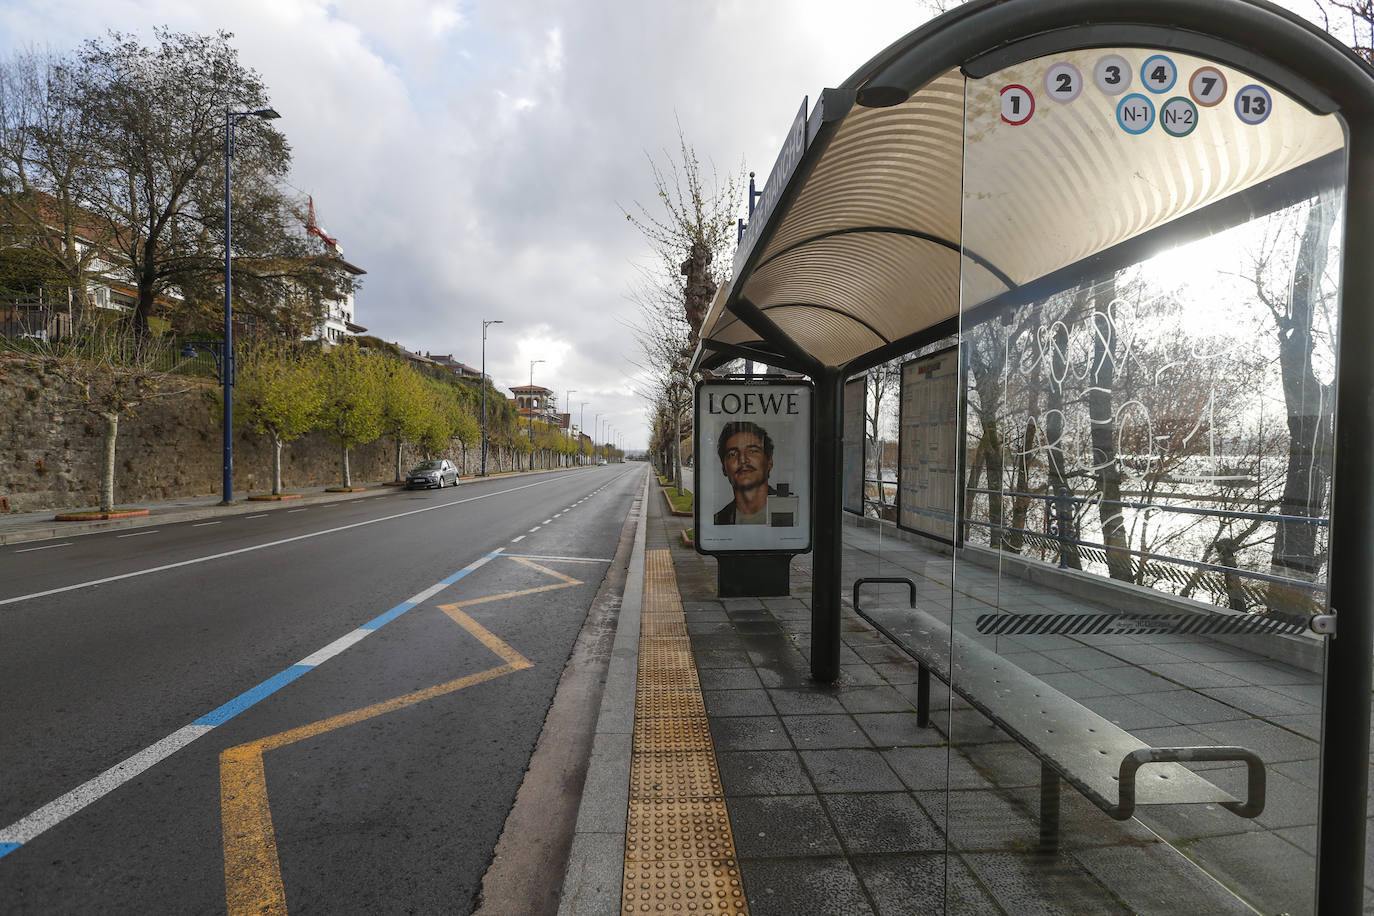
(746, 465)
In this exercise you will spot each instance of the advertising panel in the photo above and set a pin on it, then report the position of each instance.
(928, 475)
(753, 466)
(855, 465)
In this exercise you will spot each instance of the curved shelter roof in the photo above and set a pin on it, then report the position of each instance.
(868, 235)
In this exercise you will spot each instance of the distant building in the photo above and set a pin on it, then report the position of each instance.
(540, 403)
(337, 322)
(462, 370)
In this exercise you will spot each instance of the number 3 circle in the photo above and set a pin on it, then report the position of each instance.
(1017, 104)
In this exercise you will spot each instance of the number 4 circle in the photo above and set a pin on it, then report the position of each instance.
(1017, 104)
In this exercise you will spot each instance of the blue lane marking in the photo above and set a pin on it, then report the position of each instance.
(463, 572)
(7, 848)
(377, 623)
(251, 697)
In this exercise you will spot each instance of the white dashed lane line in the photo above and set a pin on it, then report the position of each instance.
(44, 547)
(137, 534)
(203, 524)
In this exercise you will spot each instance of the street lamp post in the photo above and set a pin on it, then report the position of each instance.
(567, 399)
(531, 406)
(581, 430)
(230, 365)
(485, 325)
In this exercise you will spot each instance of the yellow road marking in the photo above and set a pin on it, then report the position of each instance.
(252, 870)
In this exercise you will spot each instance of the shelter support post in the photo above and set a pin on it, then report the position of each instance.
(827, 538)
(1346, 706)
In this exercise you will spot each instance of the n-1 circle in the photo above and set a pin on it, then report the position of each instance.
(1112, 74)
(1018, 104)
(1158, 73)
(1135, 113)
(1178, 116)
(1207, 86)
(1253, 104)
(1063, 82)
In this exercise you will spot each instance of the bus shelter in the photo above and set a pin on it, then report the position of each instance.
(1085, 292)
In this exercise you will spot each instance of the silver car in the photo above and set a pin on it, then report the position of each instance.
(436, 473)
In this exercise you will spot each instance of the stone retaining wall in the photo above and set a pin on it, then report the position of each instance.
(50, 451)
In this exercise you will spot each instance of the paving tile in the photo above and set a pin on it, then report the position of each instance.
(720, 657)
(1189, 707)
(801, 701)
(883, 822)
(781, 826)
(873, 699)
(896, 729)
(901, 885)
(1276, 876)
(729, 679)
(1157, 879)
(749, 702)
(788, 887)
(1273, 744)
(1125, 712)
(982, 820)
(1130, 679)
(824, 731)
(749, 733)
(1191, 674)
(1033, 883)
(858, 770)
(762, 773)
(1260, 701)
(860, 676)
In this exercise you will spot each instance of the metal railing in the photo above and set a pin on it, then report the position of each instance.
(1061, 534)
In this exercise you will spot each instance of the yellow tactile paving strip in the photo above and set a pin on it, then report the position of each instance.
(679, 852)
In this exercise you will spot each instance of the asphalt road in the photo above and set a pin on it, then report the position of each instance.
(329, 708)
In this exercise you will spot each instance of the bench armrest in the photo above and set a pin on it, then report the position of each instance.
(1253, 805)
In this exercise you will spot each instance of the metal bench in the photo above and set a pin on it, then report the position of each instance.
(1109, 766)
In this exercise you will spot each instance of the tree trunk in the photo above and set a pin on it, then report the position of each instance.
(1309, 408)
(1105, 466)
(276, 465)
(398, 460)
(347, 478)
(1054, 420)
(107, 486)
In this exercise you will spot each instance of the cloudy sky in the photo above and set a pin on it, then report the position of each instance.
(474, 155)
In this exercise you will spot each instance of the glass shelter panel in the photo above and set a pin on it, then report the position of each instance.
(1147, 335)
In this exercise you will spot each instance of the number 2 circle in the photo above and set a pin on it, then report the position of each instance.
(1063, 82)
(1017, 104)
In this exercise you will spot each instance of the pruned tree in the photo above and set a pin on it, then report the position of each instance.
(691, 230)
(108, 376)
(408, 408)
(353, 381)
(278, 394)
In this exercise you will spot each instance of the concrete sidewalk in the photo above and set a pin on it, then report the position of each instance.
(838, 802)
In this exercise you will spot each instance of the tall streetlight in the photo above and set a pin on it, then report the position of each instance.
(596, 430)
(581, 430)
(485, 325)
(229, 366)
(567, 399)
(533, 362)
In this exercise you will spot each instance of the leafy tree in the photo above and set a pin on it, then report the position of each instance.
(408, 406)
(353, 383)
(154, 173)
(44, 145)
(279, 394)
